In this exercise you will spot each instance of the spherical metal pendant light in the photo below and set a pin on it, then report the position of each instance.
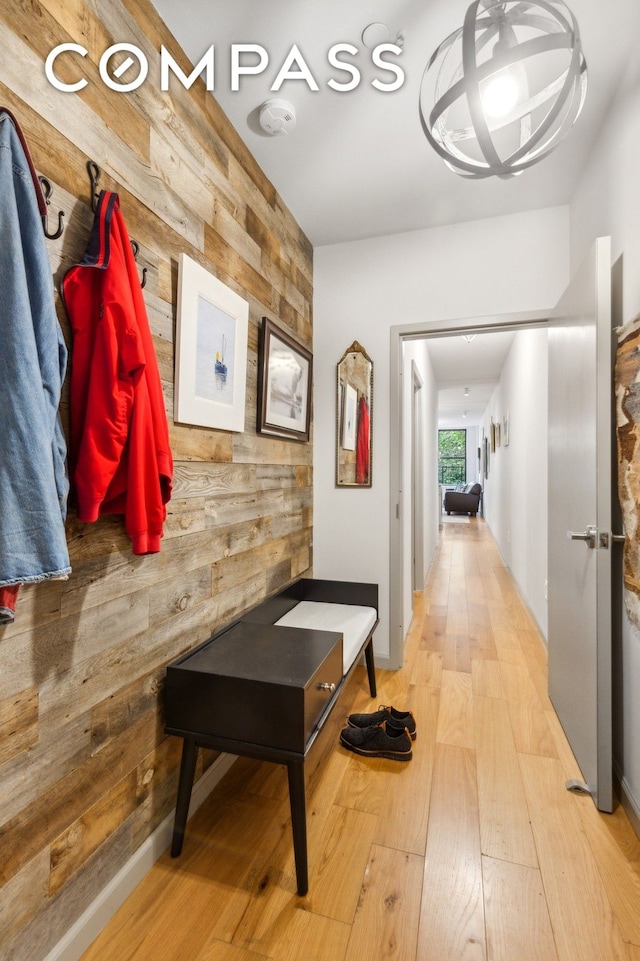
(500, 93)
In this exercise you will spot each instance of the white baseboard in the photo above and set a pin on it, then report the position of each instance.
(383, 663)
(89, 925)
(628, 801)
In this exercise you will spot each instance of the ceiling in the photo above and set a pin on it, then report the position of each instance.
(459, 365)
(357, 164)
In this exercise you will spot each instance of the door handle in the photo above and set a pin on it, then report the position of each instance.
(589, 536)
(606, 539)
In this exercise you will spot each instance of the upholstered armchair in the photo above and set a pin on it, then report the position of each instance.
(466, 501)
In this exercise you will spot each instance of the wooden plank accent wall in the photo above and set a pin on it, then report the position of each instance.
(86, 771)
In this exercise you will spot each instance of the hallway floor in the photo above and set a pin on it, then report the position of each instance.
(473, 851)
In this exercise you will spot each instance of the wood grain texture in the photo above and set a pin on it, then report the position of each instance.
(86, 773)
(517, 918)
(617, 855)
(403, 812)
(455, 719)
(627, 417)
(25, 894)
(337, 875)
(580, 913)
(18, 723)
(486, 679)
(452, 914)
(386, 922)
(505, 831)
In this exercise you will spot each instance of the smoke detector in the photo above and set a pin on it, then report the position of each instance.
(375, 33)
(277, 117)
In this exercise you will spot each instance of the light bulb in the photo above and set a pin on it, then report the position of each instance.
(500, 95)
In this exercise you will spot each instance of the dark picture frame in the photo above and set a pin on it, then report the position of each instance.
(284, 384)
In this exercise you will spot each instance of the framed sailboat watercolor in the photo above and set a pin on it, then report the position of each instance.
(211, 350)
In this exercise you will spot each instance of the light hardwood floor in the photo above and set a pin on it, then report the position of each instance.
(473, 851)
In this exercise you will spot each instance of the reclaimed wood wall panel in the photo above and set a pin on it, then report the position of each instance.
(18, 723)
(86, 772)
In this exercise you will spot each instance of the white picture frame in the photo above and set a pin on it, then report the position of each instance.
(212, 327)
(505, 430)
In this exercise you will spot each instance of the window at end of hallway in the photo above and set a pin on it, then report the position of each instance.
(452, 457)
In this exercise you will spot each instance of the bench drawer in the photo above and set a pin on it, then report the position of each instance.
(257, 683)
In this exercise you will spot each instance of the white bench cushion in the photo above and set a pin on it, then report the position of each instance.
(353, 622)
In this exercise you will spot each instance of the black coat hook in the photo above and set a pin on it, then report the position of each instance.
(47, 190)
(94, 177)
(135, 246)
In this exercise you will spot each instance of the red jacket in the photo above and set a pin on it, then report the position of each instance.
(362, 444)
(120, 459)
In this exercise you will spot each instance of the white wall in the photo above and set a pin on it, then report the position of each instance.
(515, 492)
(473, 442)
(607, 202)
(362, 289)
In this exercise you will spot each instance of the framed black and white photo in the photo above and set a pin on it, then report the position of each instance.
(284, 384)
(211, 350)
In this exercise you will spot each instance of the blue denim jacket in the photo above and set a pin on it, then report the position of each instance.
(33, 356)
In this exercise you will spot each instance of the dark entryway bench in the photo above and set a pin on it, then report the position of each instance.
(264, 686)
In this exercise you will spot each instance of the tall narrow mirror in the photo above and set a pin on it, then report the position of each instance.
(354, 418)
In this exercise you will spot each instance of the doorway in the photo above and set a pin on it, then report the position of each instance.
(578, 366)
(401, 498)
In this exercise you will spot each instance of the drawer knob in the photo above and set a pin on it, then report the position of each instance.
(327, 687)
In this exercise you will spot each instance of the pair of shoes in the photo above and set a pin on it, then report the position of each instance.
(378, 740)
(401, 719)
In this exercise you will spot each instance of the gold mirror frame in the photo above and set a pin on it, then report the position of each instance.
(354, 418)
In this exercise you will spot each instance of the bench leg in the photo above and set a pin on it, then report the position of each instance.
(185, 784)
(297, 800)
(371, 668)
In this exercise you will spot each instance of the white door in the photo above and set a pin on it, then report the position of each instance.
(579, 589)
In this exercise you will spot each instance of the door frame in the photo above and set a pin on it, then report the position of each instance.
(418, 573)
(494, 323)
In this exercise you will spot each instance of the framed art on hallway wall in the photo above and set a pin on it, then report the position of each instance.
(211, 350)
(505, 430)
(284, 384)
